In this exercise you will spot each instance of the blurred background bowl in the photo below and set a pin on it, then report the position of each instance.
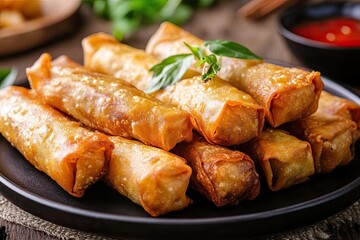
(340, 63)
(57, 19)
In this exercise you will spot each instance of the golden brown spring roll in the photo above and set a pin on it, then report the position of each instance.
(331, 138)
(108, 104)
(222, 175)
(283, 159)
(334, 105)
(104, 54)
(221, 113)
(73, 156)
(151, 177)
(287, 93)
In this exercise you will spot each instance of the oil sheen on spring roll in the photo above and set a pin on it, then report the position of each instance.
(104, 54)
(223, 176)
(331, 138)
(108, 104)
(283, 159)
(286, 93)
(221, 113)
(334, 105)
(73, 156)
(151, 177)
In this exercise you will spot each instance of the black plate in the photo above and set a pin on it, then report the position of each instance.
(104, 211)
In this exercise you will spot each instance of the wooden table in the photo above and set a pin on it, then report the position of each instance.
(218, 22)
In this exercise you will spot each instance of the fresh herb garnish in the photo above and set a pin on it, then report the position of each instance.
(127, 16)
(212, 64)
(7, 76)
(171, 69)
(230, 49)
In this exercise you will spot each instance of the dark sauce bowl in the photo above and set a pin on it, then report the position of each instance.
(342, 64)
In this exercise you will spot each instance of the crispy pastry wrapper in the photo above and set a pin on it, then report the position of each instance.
(104, 54)
(221, 113)
(223, 176)
(151, 177)
(283, 159)
(73, 156)
(108, 104)
(287, 94)
(334, 105)
(331, 138)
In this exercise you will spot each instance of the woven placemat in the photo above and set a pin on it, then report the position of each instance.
(18, 224)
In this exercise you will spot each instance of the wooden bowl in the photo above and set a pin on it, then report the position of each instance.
(55, 21)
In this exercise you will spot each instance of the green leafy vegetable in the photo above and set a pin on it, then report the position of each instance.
(3, 73)
(7, 76)
(198, 52)
(128, 15)
(212, 64)
(230, 49)
(169, 71)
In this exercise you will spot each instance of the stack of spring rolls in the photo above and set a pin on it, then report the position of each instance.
(80, 124)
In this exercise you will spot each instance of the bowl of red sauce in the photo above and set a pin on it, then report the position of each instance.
(325, 37)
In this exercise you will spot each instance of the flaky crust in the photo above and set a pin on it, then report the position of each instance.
(221, 113)
(73, 156)
(331, 139)
(284, 160)
(223, 176)
(286, 93)
(151, 177)
(109, 104)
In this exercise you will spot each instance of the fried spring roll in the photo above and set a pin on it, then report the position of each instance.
(108, 104)
(331, 138)
(221, 113)
(334, 105)
(151, 177)
(222, 175)
(73, 156)
(287, 94)
(104, 54)
(283, 159)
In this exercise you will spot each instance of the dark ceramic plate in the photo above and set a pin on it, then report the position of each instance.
(103, 211)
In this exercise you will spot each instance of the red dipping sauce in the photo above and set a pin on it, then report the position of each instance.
(338, 31)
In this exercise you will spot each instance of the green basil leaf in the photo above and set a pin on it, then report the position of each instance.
(199, 53)
(169, 71)
(211, 69)
(7, 76)
(3, 73)
(210, 59)
(230, 49)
